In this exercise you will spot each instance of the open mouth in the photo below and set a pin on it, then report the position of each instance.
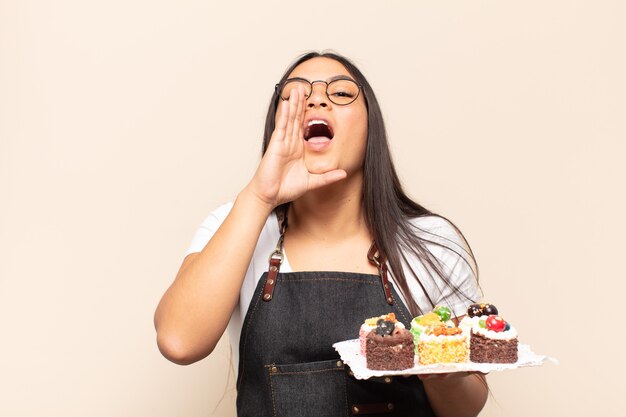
(317, 128)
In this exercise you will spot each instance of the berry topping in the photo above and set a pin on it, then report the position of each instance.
(508, 327)
(384, 327)
(496, 323)
(443, 312)
(489, 309)
(474, 310)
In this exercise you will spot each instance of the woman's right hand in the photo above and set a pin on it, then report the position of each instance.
(282, 175)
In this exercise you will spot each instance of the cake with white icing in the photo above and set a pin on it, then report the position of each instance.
(491, 338)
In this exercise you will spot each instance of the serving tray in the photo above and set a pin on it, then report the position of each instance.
(349, 350)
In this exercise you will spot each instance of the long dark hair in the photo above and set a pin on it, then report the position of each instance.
(388, 209)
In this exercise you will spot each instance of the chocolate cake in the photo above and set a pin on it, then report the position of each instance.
(390, 352)
(487, 350)
(492, 339)
(371, 324)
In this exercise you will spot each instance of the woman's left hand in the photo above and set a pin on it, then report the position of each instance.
(456, 394)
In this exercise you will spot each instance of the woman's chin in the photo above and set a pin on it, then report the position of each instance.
(320, 167)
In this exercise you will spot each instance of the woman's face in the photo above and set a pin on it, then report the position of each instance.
(347, 124)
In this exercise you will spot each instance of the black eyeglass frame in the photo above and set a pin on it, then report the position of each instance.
(280, 86)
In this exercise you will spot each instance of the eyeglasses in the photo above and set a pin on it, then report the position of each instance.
(342, 91)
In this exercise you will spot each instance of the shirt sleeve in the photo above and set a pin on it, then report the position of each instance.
(455, 261)
(208, 228)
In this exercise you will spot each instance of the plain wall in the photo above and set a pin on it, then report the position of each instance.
(123, 123)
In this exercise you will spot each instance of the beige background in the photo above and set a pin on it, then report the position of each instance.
(123, 123)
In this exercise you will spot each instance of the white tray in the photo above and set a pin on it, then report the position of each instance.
(349, 350)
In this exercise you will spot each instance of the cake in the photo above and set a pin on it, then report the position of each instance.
(491, 338)
(481, 337)
(389, 347)
(442, 344)
(370, 324)
(440, 316)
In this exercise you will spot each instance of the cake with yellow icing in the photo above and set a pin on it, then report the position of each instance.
(442, 344)
(440, 316)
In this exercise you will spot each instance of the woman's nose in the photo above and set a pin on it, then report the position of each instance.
(318, 96)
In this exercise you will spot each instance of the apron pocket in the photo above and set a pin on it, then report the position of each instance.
(310, 389)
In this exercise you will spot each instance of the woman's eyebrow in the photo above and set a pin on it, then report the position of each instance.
(339, 77)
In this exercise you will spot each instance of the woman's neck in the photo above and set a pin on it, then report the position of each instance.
(332, 212)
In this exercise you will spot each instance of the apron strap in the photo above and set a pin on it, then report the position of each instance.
(270, 281)
(376, 258)
(276, 258)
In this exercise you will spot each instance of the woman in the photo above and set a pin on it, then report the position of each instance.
(326, 194)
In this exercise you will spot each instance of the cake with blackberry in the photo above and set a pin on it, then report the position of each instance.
(389, 347)
(370, 324)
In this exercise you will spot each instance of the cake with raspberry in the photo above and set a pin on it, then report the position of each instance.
(389, 347)
(491, 338)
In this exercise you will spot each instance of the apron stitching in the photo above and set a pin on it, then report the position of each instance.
(272, 392)
(345, 388)
(328, 279)
(397, 304)
(403, 315)
(306, 372)
(345, 391)
(245, 341)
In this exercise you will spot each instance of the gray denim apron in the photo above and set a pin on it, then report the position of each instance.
(287, 365)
